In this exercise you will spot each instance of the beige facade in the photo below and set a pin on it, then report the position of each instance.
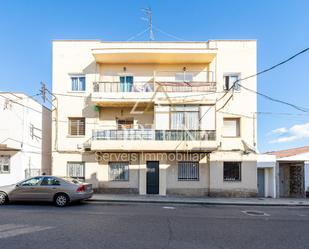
(125, 107)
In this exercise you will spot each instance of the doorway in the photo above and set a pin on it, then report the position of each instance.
(152, 177)
(261, 182)
(291, 180)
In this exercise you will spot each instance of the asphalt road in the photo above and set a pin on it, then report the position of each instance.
(143, 226)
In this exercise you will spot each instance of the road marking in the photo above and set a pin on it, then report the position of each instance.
(9, 227)
(168, 207)
(12, 230)
(254, 213)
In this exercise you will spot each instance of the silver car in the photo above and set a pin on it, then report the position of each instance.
(59, 190)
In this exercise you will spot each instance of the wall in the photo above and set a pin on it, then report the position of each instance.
(22, 134)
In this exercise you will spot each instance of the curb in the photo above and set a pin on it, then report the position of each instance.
(200, 203)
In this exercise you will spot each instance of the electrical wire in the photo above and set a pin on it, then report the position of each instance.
(168, 34)
(262, 94)
(138, 34)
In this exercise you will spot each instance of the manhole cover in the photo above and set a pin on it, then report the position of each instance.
(255, 213)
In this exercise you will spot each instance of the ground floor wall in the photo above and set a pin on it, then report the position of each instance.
(21, 165)
(191, 174)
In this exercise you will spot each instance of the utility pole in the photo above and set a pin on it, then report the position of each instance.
(148, 13)
(43, 91)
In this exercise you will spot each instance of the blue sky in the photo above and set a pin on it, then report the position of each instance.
(280, 27)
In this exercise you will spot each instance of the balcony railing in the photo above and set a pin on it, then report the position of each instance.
(162, 81)
(157, 135)
(123, 87)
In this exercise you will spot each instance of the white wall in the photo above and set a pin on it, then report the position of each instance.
(21, 133)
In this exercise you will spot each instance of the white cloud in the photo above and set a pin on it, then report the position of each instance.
(279, 131)
(293, 133)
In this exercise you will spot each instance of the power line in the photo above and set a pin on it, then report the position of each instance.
(27, 107)
(138, 34)
(262, 94)
(168, 34)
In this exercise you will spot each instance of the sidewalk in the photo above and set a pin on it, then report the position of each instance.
(198, 200)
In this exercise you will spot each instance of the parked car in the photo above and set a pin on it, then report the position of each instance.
(60, 190)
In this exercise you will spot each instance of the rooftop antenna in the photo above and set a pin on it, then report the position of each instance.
(148, 13)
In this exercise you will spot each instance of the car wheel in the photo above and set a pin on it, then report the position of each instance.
(61, 200)
(3, 198)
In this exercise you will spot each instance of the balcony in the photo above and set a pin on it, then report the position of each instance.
(153, 140)
(127, 90)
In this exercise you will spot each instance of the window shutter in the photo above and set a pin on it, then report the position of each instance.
(231, 128)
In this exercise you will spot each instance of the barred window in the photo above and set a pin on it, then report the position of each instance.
(232, 171)
(188, 171)
(4, 164)
(76, 170)
(119, 171)
(77, 126)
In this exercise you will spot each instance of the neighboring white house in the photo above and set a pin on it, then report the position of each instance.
(156, 117)
(25, 138)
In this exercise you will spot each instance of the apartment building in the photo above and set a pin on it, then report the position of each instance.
(25, 138)
(161, 118)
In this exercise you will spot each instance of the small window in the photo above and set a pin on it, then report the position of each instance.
(123, 124)
(232, 171)
(229, 81)
(231, 127)
(188, 171)
(77, 126)
(119, 171)
(50, 181)
(76, 170)
(4, 164)
(78, 83)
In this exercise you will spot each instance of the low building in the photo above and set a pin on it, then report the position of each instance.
(25, 138)
(292, 172)
(156, 117)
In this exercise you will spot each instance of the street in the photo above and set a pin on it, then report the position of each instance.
(142, 226)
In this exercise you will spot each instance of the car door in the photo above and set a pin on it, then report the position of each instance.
(27, 190)
(48, 188)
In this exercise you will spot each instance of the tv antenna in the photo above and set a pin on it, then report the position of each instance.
(148, 18)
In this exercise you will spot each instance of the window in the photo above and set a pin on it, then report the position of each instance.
(77, 126)
(78, 83)
(184, 77)
(231, 127)
(126, 83)
(185, 118)
(32, 181)
(188, 171)
(76, 170)
(232, 171)
(123, 124)
(229, 81)
(50, 181)
(4, 164)
(119, 171)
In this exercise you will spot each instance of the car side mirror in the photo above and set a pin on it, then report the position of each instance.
(17, 185)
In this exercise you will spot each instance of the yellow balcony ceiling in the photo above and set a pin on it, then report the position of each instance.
(153, 55)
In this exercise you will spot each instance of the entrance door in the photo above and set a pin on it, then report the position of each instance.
(261, 182)
(152, 177)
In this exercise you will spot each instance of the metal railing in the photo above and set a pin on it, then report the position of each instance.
(166, 86)
(157, 135)
(122, 87)
(163, 81)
